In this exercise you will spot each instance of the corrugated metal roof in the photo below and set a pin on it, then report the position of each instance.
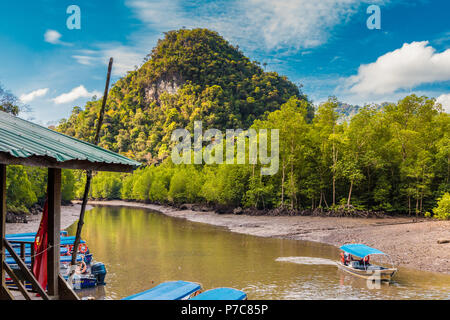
(23, 139)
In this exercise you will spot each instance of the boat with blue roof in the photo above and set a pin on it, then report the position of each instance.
(171, 290)
(355, 260)
(88, 273)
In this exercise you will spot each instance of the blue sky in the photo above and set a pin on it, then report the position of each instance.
(323, 44)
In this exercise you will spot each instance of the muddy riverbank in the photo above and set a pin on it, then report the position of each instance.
(69, 214)
(410, 244)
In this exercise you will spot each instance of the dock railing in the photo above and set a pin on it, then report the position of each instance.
(26, 275)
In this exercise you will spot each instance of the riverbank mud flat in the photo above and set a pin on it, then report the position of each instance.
(69, 215)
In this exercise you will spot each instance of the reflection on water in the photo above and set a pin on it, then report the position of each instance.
(141, 249)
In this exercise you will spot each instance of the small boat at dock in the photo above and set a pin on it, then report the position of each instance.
(171, 290)
(362, 267)
(185, 290)
(88, 273)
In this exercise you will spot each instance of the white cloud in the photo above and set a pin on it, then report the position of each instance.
(28, 97)
(159, 13)
(54, 37)
(413, 64)
(86, 60)
(283, 25)
(74, 94)
(125, 57)
(444, 99)
(298, 24)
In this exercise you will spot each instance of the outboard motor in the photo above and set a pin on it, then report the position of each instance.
(98, 269)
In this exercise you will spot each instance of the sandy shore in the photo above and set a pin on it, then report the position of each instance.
(69, 214)
(410, 244)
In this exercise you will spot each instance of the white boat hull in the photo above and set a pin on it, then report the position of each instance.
(384, 274)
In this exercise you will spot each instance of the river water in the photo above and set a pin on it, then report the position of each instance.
(141, 249)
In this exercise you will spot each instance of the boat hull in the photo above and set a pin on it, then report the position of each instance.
(384, 274)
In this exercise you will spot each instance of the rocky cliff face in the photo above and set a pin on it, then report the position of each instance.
(169, 84)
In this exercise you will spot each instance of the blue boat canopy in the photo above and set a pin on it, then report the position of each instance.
(360, 250)
(171, 290)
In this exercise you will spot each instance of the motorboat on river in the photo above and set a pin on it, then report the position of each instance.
(362, 267)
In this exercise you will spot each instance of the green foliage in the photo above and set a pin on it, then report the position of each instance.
(19, 188)
(8, 102)
(68, 185)
(442, 211)
(142, 184)
(28, 185)
(185, 185)
(106, 185)
(385, 159)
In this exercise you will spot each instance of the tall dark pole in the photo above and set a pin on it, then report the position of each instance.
(54, 229)
(4, 292)
(89, 172)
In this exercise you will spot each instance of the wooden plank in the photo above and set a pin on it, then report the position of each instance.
(65, 292)
(47, 162)
(54, 227)
(16, 280)
(4, 292)
(27, 273)
(22, 251)
(24, 243)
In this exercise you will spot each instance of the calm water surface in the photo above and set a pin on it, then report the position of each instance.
(141, 249)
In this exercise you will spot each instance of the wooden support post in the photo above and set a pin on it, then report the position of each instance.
(2, 222)
(4, 292)
(54, 227)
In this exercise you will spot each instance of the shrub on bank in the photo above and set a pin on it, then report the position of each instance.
(442, 211)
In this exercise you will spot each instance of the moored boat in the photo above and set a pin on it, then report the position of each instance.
(88, 274)
(362, 267)
(171, 290)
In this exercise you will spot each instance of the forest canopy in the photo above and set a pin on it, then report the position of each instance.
(395, 159)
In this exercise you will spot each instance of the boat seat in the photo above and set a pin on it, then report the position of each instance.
(375, 268)
(221, 294)
(172, 290)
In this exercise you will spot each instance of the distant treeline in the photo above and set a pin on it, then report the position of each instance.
(394, 159)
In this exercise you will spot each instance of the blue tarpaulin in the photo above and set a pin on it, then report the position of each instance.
(360, 250)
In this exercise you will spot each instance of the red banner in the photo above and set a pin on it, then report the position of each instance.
(40, 249)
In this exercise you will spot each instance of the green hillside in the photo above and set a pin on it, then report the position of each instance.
(190, 75)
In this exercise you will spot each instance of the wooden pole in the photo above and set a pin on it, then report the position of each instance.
(54, 227)
(89, 173)
(2, 221)
(4, 292)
